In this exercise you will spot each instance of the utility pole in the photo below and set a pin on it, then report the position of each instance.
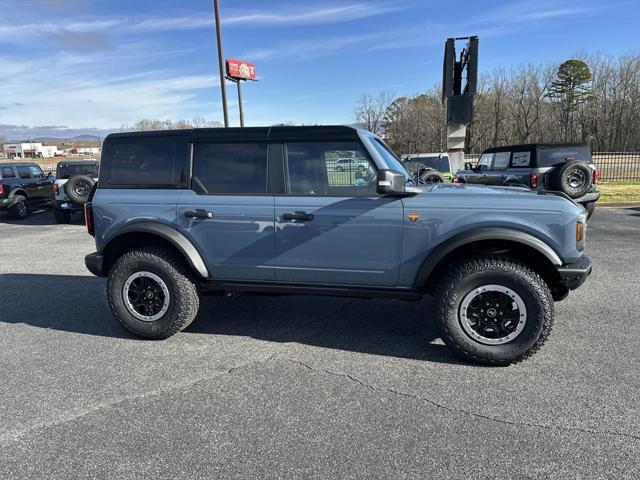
(223, 90)
(240, 104)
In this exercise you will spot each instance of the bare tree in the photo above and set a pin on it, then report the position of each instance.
(370, 110)
(147, 124)
(515, 106)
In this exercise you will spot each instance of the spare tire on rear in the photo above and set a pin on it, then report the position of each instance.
(78, 188)
(431, 176)
(574, 178)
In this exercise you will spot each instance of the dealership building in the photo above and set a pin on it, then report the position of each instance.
(32, 150)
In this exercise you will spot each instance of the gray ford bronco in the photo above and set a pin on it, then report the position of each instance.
(180, 214)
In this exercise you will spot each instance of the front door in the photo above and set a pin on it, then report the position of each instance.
(227, 213)
(331, 226)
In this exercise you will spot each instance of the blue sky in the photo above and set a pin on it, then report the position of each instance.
(90, 63)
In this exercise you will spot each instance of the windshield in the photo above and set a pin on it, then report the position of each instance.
(440, 164)
(390, 158)
(67, 170)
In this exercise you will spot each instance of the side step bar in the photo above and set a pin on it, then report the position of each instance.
(293, 289)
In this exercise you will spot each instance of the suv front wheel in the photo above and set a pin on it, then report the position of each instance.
(494, 310)
(152, 293)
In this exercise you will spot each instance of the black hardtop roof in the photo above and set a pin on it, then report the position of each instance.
(531, 146)
(17, 164)
(78, 162)
(275, 133)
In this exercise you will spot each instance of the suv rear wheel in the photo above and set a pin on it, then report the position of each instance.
(152, 293)
(19, 210)
(493, 310)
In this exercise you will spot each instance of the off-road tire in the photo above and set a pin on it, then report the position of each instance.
(19, 210)
(431, 176)
(466, 275)
(590, 208)
(61, 216)
(561, 180)
(78, 188)
(184, 299)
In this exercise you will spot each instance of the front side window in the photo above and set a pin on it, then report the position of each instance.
(7, 172)
(36, 172)
(24, 172)
(230, 168)
(390, 158)
(330, 169)
(484, 161)
(501, 160)
(150, 162)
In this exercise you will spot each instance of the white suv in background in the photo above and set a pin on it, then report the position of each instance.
(73, 184)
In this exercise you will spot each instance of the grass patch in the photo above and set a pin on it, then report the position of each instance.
(619, 192)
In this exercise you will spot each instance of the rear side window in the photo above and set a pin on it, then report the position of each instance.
(501, 160)
(7, 172)
(24, 172)
(145, 162)
(229, 168)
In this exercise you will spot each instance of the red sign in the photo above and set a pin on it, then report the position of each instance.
(240, 69)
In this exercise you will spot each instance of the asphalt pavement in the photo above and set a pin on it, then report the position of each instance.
(308, 387)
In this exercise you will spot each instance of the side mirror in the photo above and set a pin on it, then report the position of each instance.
(390, 182)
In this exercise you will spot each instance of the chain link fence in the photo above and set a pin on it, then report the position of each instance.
(613, 166)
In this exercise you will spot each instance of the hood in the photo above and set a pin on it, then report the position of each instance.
(465, 188)
(486, 197)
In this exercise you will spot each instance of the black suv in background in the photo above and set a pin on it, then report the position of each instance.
(562, 167)
(23, 186)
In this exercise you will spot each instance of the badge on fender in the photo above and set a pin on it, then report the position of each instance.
(413, 217)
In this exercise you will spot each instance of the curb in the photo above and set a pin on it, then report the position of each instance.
(618, 204)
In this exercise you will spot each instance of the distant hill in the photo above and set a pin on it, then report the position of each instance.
(18, 133)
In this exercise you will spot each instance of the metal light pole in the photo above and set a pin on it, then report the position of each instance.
(240, 104)
(222, 79)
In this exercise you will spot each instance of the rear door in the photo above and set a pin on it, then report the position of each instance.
(41, 183)
(332, 227)
(227, 212)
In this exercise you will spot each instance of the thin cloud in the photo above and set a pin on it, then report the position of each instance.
(81, 40)
(329, 14)
(527, 11)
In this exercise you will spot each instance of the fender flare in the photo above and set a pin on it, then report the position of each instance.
(456, 241)
(170, 234)
(18, 191)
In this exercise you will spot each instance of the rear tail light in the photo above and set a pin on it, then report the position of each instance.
(455, 180)
(88, 218)
(1, 189)
(596, 176)
(56, 189)
(533, 180)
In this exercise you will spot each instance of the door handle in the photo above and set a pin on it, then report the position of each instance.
(299, 216)
(199, 213)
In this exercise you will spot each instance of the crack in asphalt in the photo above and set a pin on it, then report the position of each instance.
(72, 416)
(460, 410)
